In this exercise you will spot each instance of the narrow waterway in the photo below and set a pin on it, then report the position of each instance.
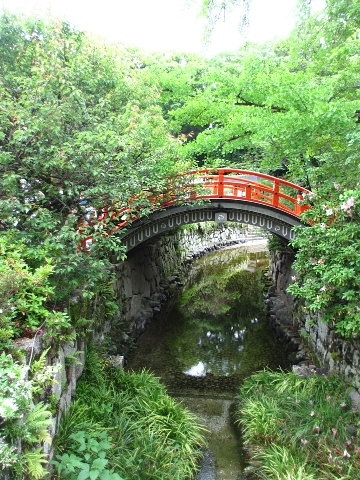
(206, 341)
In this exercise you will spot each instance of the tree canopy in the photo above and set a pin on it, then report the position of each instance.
(292, 109)
(81, 129)
(85, 126)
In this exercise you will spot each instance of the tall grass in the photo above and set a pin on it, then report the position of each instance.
(299, 428)
(152, 435)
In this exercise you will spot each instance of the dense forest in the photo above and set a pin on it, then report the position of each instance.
(85, 125)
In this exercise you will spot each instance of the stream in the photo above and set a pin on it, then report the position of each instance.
(207, 340)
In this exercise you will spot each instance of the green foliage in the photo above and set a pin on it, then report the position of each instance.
(215, 10)
(86, 458)
(299, 428)
(77, 135)
(7, 454)
(77, 418)
(36, 424)
(23, 423)
(277, 243)
(24, 292)
(279, 463)
(41, 374)
(33, 462)
(290, 104)
(217, 291)
(328, 260)
(151, 435)
(290, 108)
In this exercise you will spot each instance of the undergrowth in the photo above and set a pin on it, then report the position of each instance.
(130, 423)
(297, 428)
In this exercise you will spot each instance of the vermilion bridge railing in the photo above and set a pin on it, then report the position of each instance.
(211, 184)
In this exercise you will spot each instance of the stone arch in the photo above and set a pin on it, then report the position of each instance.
(267, 217)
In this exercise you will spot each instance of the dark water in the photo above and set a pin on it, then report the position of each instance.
(208, 340)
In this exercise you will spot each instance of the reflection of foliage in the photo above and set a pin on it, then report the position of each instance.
(249, 284)
(184, 346)
(221, 287)
(222, 308)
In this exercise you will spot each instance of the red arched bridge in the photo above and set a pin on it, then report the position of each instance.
(220, 195)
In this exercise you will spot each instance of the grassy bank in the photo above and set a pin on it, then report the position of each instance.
(297, 428)
(125, 426)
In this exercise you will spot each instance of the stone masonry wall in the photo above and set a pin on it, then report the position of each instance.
(333, 353)
(154, 271)
(144, 282)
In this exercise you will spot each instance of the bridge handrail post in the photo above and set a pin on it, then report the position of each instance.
(276, 191)
(298, 208)
(248, 191)
(220, 182)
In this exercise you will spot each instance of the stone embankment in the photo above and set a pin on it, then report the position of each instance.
(153, 272)
(317, 348)
(281, 306)
(145, 281)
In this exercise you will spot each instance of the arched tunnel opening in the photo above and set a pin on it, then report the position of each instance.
(202, 388)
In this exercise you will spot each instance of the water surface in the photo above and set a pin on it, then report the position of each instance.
(206, 341)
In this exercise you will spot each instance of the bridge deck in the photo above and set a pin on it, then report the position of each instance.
(221, 183)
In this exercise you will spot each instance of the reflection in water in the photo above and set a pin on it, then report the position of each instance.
(213, 336)
(198, 370)
(224, 349)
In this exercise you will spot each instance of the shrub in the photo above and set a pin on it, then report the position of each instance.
(22, 422)
(327, 263)
(152, 436)
(299, 428)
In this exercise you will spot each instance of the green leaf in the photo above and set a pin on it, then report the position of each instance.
(84, 474)
(99, 463)
(94, 474)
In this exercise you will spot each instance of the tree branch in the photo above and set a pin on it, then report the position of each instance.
(248, 103)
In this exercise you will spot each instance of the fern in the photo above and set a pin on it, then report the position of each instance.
(42, 375)
(40, 364)
(33, 462)
(8, 455)
(36, 424)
